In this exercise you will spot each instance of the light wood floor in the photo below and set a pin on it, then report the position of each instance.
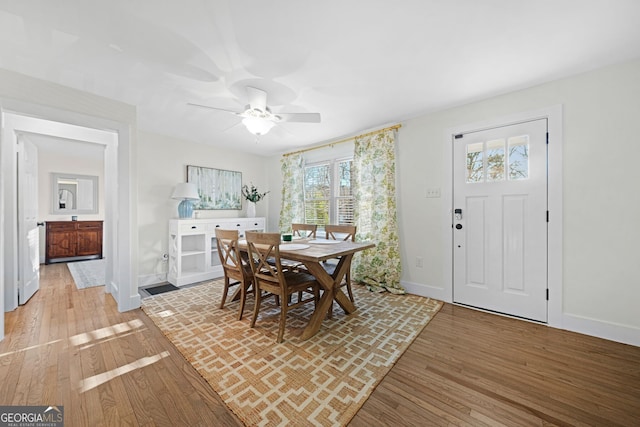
(73, 348)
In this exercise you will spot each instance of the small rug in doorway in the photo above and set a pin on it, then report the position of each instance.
(324, 380)
(161, 289)
(87, 274)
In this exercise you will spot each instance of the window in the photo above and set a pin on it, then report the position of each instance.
(328, 194)
(486, 160)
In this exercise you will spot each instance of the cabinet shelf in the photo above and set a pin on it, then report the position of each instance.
(189, 253)
(187, 272)
(193, 251)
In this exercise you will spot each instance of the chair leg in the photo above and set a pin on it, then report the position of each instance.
(224, 292)
(283, 320)
(243, 298)
(256, 307)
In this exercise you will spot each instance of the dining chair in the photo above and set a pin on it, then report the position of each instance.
(310, 229)
(340, 232)
(276, 280)
(297, 230)
(235, 266)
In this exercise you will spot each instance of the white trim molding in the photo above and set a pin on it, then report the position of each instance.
(145, 280)
(429, 291)
(598, 328)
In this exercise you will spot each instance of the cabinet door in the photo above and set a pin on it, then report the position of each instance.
(61, 243)
(89, 242)
(89, 239)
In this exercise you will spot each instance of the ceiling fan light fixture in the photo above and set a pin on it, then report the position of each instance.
(257, 125)
(258, 118)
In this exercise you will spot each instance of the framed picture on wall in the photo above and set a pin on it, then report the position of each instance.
(218, 188)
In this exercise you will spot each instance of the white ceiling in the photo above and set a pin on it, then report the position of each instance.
(360, 64)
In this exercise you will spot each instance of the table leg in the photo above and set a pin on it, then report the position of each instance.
(331, 287)
(341, 273)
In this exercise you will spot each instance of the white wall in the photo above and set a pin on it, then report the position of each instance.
(601, 274)
(162, 163)
(53, 160)
(601, 207)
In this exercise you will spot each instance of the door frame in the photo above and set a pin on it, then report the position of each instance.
(554, 194)
(120, 195)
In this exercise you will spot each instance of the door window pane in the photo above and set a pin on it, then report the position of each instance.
(495, 160)
(475, 162)
(519, 157)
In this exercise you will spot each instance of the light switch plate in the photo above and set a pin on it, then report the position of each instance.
(433, 192)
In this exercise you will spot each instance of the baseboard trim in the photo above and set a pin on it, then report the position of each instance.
(601, 329)
(570, 322)
(151, 279)
(428, 291)
(133, 302)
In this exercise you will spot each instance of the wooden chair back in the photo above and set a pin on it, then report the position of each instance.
(264, 254)
(270, 277)
(234, 266)
(310, 229)
(227, 242)
(340, 232)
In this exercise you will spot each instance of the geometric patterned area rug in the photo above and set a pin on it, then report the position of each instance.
(87, 274)
(322, 381)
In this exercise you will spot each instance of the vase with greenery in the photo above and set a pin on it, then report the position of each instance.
(253, 196)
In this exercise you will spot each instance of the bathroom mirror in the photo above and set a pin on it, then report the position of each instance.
(74, 194)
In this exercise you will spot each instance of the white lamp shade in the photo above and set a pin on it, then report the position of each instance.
(257, 125)
(185, 191)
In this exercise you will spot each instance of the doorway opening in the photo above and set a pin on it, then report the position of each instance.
(119, 220)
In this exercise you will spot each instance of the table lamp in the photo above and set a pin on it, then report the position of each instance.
(186, 192)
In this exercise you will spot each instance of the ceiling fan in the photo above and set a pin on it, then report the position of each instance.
(258, 118)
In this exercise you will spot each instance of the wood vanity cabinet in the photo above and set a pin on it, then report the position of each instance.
(72, 240)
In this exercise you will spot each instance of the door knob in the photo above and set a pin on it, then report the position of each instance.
(459, 226)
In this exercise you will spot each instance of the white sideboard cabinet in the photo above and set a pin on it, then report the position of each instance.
(193, 251)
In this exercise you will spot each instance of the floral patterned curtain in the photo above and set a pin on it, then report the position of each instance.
(374, 188)
(292, 208)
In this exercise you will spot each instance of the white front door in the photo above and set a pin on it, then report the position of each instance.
(500, 219)
(28, 233)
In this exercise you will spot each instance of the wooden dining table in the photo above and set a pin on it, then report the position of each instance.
(318, 251)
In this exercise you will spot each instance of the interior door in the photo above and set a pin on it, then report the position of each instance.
(500, 219)
(28, 234)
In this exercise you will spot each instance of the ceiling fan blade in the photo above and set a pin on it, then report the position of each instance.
(300, 117)
(214, 108)
(257, 98)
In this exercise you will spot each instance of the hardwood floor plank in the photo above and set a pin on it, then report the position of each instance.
(453, 398)
(500, 370)
(574, 387)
